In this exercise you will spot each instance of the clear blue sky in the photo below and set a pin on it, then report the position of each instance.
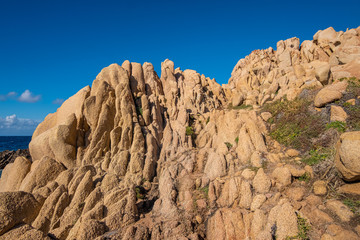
(54, 48)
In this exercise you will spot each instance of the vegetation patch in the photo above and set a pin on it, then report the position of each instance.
(140, 192)
(353, 111)
(338, 125)
(305, 177)
(207, 120)
(205, 191)
(316, 156)
(352, 204)
(189, 131)
(243, 106)
(294, 124)
(303, 229)
(237, 140)
(228, 145)
(139, 111)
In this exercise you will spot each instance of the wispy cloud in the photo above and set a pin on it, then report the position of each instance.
(7, 96)
(12, 125)
(29, 97)
(58, 101)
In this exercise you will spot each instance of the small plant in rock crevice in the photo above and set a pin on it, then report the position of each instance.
(237, 140)
(228, 145)
(303, 229)
(305, 177)
(207, 120)
(140, 194)
(139, 111)
(189, 131)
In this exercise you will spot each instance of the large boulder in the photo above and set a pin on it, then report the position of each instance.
(14, 174)
(330, 93)
(15, 208)
(347, 157)
(42, 172)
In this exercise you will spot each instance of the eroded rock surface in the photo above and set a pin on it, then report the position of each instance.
(138, 156)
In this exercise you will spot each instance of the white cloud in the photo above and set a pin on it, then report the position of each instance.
(58, 101)
(29, 97)
(7, 96)
(11, 94)
(12, 125)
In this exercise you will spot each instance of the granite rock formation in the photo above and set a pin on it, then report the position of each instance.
(138, 156)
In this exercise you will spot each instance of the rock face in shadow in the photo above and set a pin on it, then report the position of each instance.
(138, 156)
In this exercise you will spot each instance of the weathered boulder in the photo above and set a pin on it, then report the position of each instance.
(340, 209)
(15, 208)
(347, 159)
(14, 174)
(42, 172)
(330, 93)
(337, 113)
(24, 232)
(261, 182)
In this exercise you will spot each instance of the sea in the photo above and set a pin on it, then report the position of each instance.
(14, 143)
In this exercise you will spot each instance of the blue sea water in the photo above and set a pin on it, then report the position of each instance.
(14, 142)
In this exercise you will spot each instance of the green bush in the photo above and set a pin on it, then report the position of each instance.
(237, 140)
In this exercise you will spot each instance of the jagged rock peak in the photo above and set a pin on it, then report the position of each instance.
(267, 75)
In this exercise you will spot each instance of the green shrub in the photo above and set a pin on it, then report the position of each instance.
(305, 177)
(338, 125)
(139, 111)
(189, 131)
(237, 140)
(140, 194)
(228, 145)
(207, 120)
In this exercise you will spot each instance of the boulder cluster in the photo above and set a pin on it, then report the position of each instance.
(136, 156)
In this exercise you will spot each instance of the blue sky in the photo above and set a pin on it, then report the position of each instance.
(51, 49)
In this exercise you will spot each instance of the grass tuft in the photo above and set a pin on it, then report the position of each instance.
(338, 125)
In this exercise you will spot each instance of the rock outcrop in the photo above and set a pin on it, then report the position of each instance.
(7, 156)
(138, 156)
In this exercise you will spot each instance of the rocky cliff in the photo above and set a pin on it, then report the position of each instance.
(136, 156)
